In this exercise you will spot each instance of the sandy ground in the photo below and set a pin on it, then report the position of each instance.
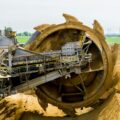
(26, 107)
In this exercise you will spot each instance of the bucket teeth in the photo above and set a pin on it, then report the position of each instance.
(70, 18)
(97, 27)
(70, 112)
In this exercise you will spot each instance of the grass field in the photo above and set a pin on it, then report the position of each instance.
(22, 39)
(111, 40)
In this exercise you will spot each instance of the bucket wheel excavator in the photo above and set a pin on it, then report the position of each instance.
(70, 65)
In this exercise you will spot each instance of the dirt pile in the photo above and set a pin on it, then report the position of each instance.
(12, 107)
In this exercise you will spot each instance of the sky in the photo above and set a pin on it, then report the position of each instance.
(23, 15)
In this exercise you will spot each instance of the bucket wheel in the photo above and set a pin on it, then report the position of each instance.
(78, 90)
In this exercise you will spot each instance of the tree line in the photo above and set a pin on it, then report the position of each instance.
(24, 34)
(9, 29)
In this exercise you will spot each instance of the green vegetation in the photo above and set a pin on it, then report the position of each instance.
(24, 34)
(111, 40)
(22, 39)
